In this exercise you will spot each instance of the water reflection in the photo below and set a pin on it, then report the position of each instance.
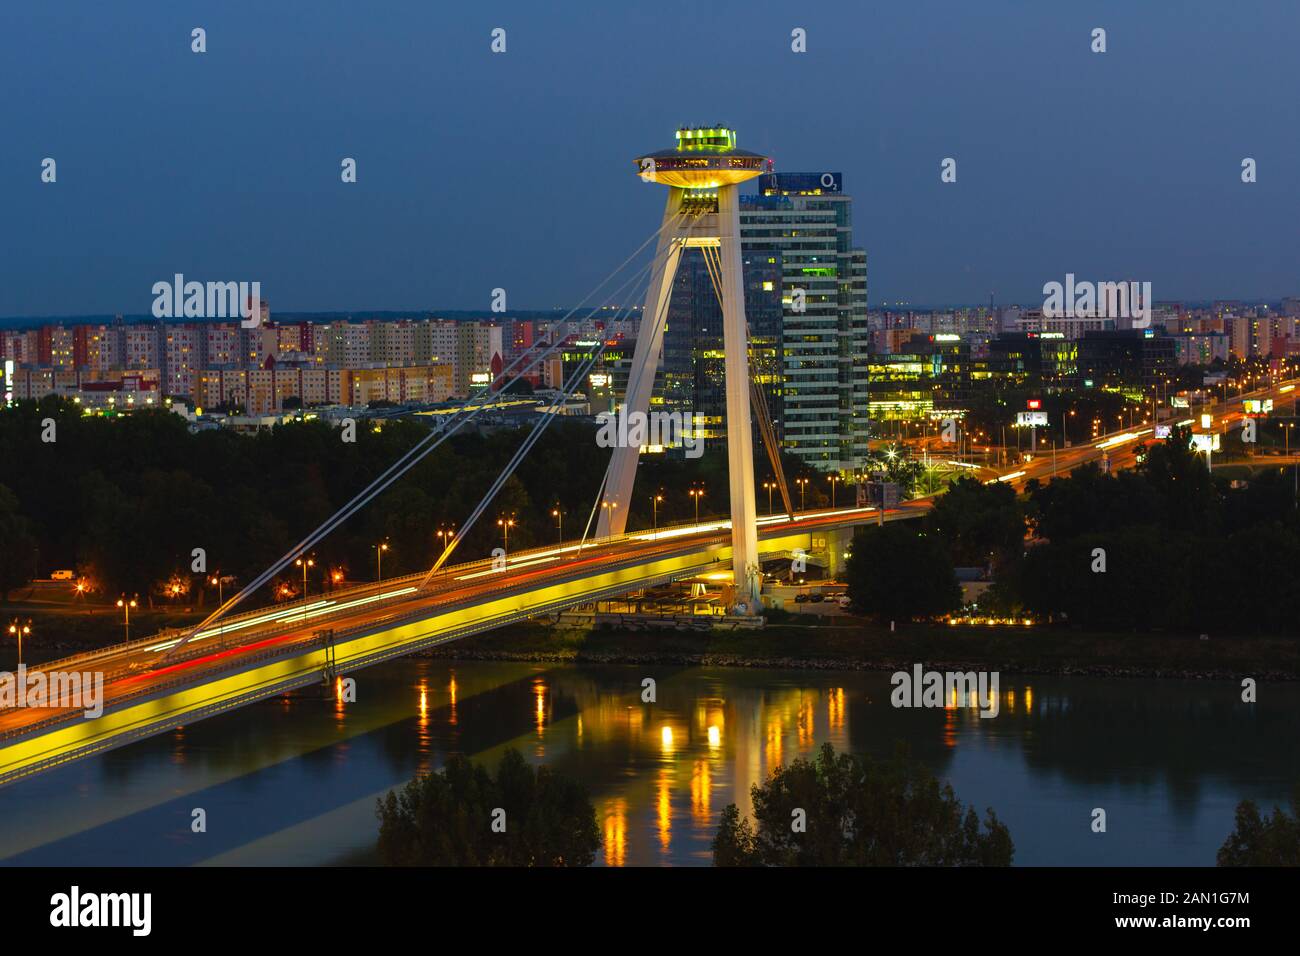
(295, 778)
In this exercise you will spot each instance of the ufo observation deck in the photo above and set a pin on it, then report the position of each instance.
(705, 158)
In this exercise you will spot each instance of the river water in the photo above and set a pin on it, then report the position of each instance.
(294, 780)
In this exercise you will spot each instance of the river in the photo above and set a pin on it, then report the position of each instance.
(294, 780)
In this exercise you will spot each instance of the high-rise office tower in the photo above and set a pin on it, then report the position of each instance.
(692, 375)
(806, 221)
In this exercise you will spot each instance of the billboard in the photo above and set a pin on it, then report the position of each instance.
(1205, 442)
(1026, 419)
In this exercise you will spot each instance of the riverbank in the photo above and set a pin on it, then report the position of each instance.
(862, 646)
(834, 643)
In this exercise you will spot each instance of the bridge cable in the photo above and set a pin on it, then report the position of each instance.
(540, 426)
(544, 419)
(414, 455)
(757, 395)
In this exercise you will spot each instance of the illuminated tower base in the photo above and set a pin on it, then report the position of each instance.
(703, 209)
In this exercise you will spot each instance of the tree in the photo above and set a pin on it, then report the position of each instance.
(977, 521)
(858, 812)
(16, 544)
(897, 465)
(896, 574)
(461, 816)
(1263, 841)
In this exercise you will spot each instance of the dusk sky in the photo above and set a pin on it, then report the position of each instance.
(516, 170)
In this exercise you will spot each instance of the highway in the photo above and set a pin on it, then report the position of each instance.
(1121, 446)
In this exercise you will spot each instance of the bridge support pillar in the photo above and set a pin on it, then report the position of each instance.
(740, 429)
(721, 230)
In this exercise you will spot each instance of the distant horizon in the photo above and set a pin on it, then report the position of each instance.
(311, 315)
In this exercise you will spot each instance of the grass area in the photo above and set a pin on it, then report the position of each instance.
(858, 644)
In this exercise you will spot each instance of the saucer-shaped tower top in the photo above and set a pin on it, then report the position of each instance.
(705, 158)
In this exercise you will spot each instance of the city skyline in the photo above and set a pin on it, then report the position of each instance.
(409, 235)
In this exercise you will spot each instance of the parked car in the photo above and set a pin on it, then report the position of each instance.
(801, 598)
(63, 575)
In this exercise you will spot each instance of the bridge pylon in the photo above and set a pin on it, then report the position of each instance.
(703, 210)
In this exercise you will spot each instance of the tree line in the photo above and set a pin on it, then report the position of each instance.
(1165, 545)
(126, 499)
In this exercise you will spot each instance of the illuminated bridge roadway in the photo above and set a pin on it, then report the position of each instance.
(262, 653)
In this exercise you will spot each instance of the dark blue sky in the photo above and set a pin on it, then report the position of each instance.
(479, 170)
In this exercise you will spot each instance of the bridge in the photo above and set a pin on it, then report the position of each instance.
(271, 651)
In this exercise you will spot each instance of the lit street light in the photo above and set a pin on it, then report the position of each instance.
(20, 630)
(803, 484)
(380, 548)
(126, 604)
(305, 563)
(697, 494)
(834, 480)
(558, 515)
(505, 524)
(769, 485)
(654, 510)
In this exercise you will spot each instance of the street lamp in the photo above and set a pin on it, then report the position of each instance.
(305, 563)
(802, 483)
(697, 494)
(215, 580)
(380, 548)
(834, 480)
(126, 604)
(610, 505)
(558, 515)
(505, 524)
(445, 537)
(20, 630)
(654, 510)
(769, 485)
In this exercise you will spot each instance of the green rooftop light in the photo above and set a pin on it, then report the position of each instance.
(698, 137)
